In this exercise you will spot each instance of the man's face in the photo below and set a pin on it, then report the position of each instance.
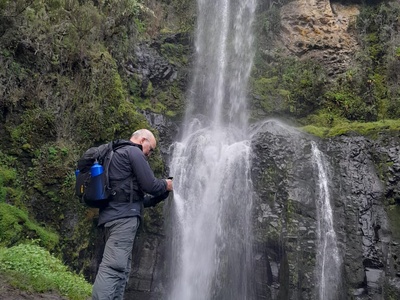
(148, 146)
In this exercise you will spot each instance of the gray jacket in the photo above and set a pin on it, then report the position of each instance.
(130, 162)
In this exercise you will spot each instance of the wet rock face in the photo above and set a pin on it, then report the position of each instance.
(365, 199)
(150, 66)
(361, 176)
(285, 213)
(359, 211)
(320, 30)
(370, 233)
(166, 128)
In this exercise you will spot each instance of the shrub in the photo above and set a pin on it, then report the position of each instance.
(34, 267)
(289, 86)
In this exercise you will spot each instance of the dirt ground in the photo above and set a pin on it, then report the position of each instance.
(7, 292)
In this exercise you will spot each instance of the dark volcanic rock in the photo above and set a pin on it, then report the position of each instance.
(363, 189)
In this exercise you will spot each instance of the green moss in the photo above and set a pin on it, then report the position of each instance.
(10, 188)
(37, 125)
(16, 227)
(184, 13)
(169, 101)
(30, 267)
(368, 91)
(269, 94)
(127, 119)
(370, 129)
(134, 85)
(177, 54)
(96, 120)
(288, 86)
(50, 165)
(64, 90)
(153, 219)
(173, 100)
(7, 178)
(149, 90)
(272, 21)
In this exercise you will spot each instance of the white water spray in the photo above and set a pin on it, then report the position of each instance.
(328, 260)
(212, 236)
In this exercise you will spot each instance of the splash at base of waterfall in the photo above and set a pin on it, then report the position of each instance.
(212, 206)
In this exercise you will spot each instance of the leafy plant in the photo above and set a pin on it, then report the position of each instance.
(35, 268)
(289, 87)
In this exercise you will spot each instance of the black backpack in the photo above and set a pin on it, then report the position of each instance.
(95, 191)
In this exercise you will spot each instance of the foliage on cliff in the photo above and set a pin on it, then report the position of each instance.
(66, 83)
(301, 90)
(64, 86)
(33, 266)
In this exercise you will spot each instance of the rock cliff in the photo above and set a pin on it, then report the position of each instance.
(362, 173)
(320, 30)
(363, 184)
(364, 192)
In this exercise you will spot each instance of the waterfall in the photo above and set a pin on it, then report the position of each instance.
(328, 260)
(210, 251)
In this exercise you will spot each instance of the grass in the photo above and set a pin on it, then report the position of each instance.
(26, 262)
(31, 267)
(369, 129)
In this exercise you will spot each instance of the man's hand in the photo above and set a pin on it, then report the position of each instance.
(169, 184)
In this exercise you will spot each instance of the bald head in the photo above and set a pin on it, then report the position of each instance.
(143, 133)
(145, 138)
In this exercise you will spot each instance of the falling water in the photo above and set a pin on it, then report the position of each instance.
(328, 259)
(212, 236)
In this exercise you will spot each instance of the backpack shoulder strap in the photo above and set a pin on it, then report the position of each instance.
(107, 162)
(114, 146)
(118, 144)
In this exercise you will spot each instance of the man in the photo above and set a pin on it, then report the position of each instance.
(130, 171)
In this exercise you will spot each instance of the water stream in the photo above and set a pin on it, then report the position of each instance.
(210, 219)
(328, 259)
(210, 216)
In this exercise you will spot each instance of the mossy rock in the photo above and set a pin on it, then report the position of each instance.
(16, 227)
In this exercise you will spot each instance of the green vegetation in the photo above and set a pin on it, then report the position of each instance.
(177, 54)
(16, 227)
(370, 129)
(300, 90)
(24, 256)
(185, 12)
(10, 185)
(65, 85)
(30, 267)
(63, 88)
(71, 75)
(288, 86)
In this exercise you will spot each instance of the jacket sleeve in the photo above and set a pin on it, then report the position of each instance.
(150, 201)
(145, 176)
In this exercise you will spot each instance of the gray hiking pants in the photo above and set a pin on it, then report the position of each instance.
(113, 274)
